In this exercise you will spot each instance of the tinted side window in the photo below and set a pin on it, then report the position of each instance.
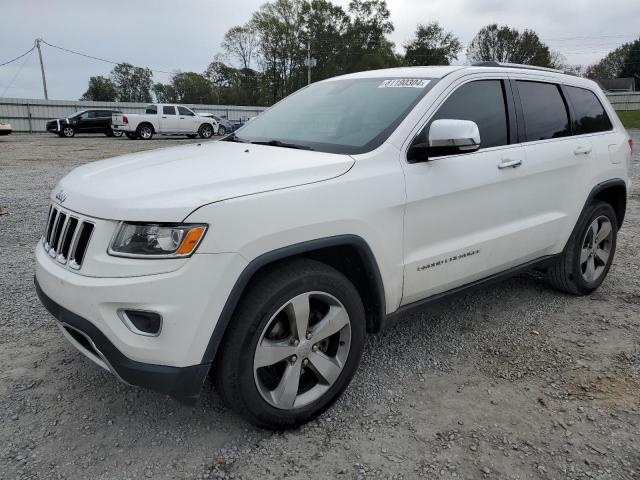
(589, 112)
(482, 102)
(545, 114)
(151, 110)
(185, 111)
(168, 110)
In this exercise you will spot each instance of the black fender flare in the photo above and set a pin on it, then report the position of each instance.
(287, 252)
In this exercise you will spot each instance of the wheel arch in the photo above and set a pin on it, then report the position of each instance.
(613, 192)
(349, 254)
(153, 129)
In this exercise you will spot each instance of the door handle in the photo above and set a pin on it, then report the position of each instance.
(582, 151)
(164, 117)
(510, 163)
(181, 118)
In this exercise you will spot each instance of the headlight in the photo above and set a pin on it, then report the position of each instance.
(156, 240)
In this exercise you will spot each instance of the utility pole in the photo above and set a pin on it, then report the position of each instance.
(309, 62)
(44, 79)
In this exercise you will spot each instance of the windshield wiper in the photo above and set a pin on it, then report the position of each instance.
(278, 143)
(234, 138)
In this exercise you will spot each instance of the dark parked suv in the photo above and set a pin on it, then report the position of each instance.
(84, 121)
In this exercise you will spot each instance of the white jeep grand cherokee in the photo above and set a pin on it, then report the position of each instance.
(265, 258)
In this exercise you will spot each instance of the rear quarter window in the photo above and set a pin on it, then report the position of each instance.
(545, 113)
(590, 116)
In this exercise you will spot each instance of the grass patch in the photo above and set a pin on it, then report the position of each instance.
(630, 118)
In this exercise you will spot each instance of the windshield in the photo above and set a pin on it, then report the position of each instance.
(339, 116)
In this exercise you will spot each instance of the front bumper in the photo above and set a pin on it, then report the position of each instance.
(182, 383)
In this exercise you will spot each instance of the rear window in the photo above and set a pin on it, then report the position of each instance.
(168, 110)
(544, 110)
(151, 110)
(590, 116)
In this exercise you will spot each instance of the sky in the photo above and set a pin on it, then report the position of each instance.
(186, 34)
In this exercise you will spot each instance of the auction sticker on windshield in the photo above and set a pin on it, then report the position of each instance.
(405, 83)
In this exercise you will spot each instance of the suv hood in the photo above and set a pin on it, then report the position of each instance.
(166, 185)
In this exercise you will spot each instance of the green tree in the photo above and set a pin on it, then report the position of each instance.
(432, 46)
(101, 89)
(611, 65)
(505, 44)
(631, 65)
(133, 84)
(164, 93)
(191, 87)
(366, 39)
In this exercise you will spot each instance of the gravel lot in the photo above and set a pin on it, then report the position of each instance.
(511, 381)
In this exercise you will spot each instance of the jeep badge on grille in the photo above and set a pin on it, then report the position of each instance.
(61, 196)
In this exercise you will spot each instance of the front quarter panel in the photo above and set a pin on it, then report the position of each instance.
(367, 201)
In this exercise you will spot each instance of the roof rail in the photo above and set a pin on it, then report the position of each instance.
(518, 65)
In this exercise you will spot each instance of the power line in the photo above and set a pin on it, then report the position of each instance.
(18, 57)
(10, 84)
(97, 58)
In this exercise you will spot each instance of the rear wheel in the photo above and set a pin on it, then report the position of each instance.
(293, 345)
(116, 133)
(587, 258)
(109, 133)
(145, 131)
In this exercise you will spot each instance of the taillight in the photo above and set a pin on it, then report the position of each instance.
(125, 120)
(631, 144)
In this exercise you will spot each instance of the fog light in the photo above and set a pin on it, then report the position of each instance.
(142, 322)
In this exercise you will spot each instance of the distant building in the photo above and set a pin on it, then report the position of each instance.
(616, 84)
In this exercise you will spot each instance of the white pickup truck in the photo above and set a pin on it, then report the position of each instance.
(164, 119)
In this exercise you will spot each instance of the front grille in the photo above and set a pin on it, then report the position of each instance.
(66, 238)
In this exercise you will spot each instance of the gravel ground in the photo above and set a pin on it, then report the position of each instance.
(511, 381)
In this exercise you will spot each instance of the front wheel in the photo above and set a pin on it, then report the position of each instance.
(584, 264)
(292, 346)
(68, 131)
(222, 130)
(206, 131)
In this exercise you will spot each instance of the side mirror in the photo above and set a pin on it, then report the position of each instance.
(445, 137)
(450, 137)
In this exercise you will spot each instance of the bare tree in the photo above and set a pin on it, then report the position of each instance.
(241, 43)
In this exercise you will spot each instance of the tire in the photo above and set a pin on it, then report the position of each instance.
(584, 264)
(222, 131)
(68, 131)
(116, 133)
(109, 133)
(131, 135)
(265, 314)
(144, 131)
(192, 135)
(205, 131)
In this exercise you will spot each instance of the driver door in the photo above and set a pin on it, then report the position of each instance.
(464, 217)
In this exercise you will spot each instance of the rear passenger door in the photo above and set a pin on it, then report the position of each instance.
(557, 163)
(169, 122)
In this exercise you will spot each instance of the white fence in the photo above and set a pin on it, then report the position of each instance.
(31, 115)
(625, 101)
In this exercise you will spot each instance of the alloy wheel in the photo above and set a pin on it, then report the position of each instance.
(302, 350)
(145, 132)
(596, 249)
(68, 132)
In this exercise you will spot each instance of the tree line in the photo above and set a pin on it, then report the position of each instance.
(265, 59)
